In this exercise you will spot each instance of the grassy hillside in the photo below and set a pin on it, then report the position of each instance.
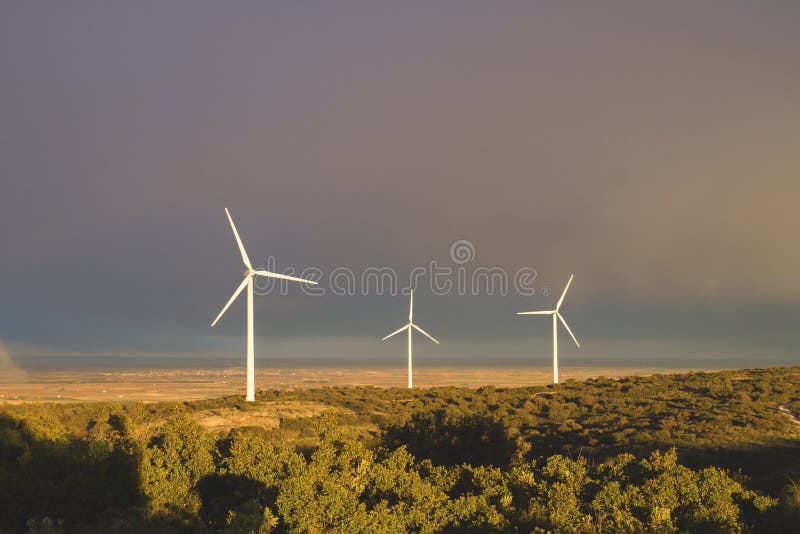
(713, 452)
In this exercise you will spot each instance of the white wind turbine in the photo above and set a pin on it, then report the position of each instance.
(556, 316)
(410, 326)
(249, 274)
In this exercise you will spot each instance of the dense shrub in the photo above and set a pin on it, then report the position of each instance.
(452, 440)
(173, 462)
(599, 456)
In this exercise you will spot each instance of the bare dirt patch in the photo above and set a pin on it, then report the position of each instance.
(267, 415)
(785, 409)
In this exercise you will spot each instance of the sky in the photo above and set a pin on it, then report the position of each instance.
(652, 149)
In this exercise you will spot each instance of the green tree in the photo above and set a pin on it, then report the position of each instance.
(173, 462)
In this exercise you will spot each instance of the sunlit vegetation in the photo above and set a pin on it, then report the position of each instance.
(703, 452)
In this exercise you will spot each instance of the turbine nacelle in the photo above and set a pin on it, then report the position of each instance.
(410, 324)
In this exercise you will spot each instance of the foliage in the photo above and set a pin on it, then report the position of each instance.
(454, 439)
(173, 462)
(44, 525)
(704, 452)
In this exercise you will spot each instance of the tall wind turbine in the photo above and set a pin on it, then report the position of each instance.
(410, 326)
(249, 274)
(556, 317)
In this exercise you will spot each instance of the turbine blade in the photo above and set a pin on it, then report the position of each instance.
(564, 294)
(230, 301)
(245, 259)
(284, 277)
(545, 312)
(424, 333)
(411, 308)
(564, 322)
(405, 327)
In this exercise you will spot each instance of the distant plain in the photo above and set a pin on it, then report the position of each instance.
(160, 384)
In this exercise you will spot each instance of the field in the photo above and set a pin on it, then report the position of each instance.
(155, 385)
(696, 452)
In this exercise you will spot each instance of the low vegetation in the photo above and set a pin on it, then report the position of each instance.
(702, 452)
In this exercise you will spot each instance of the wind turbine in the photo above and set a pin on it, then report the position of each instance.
(249, 274)
(410, 326)
(556, 317)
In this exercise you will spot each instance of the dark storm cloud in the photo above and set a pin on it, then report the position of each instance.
(653, 150)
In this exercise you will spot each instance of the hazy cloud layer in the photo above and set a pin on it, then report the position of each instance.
(652, 150)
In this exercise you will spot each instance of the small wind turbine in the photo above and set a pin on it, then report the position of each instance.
(249, 274)
(556, 316)
(410, 326)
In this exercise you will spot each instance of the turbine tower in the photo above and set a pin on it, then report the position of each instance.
(410, 326)
(556, 317)
(249, 274)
